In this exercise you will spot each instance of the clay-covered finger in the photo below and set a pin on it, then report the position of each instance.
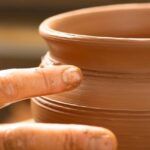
(16, 84)
(56, 137)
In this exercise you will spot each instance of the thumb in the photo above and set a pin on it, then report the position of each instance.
(16, 84)
(56, 137)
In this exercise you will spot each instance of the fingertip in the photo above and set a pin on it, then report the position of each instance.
(62, 78)
(109, 140)
(99, 138)
(72, 76)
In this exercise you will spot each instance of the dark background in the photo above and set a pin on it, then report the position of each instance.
(20, 43)
(57, 5)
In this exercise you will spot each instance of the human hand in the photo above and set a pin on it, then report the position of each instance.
(18, 84)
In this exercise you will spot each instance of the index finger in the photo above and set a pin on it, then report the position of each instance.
(16, 84)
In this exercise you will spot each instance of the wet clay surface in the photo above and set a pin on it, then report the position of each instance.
(116, 67)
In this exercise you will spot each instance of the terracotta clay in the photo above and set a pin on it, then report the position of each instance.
(112, 46)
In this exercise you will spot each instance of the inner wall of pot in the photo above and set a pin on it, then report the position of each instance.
(127, 23)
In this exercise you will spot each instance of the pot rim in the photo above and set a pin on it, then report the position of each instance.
(48, 32)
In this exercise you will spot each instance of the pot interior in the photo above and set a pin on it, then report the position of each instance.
(123, 21)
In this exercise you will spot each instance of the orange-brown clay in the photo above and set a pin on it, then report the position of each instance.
(111, 44)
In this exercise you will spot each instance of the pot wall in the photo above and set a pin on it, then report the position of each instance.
(115, 90)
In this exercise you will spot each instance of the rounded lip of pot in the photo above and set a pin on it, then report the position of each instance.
(49, 33)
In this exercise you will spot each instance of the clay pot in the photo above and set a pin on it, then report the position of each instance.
(112, 46)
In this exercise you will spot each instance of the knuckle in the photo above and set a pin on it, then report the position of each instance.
(69, 142)
(8, 88)
(14, 138)
(47, 81)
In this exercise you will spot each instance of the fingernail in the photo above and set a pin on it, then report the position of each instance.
(72, 76)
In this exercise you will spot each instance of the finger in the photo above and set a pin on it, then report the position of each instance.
(16, 84)
(56, 137)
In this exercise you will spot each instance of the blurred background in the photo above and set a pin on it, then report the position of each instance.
(20, 43)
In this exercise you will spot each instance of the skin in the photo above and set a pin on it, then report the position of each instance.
(19, 84)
